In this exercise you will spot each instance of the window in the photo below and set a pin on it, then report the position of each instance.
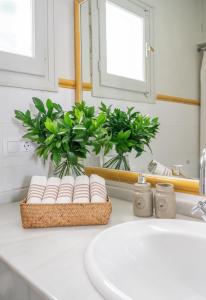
(26, 48)
(122, 63)
(121, 27)
(16, 27)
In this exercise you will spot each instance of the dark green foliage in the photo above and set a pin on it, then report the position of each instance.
(128, 130)
(62, 136)
(65, 137)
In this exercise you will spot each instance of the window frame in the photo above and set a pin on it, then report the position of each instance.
(113, 86)
(37, 72)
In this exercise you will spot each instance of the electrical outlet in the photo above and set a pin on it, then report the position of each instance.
(27, 146)
(16, 146)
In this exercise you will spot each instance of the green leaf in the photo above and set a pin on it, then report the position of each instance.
(49, 139)
(101, 119)
(127, 134)
(31, 136)
(78, 114)
(39, 105)
(20, 115)
(79, 127)
(49, 104)
(65, 146)
(62, 131)
(47, 151)
(57, 107)
(56, 157)
(28, 116)
(120, 135)
(51, 125)
(72, 157)
(58, 144)
(65, 139)
(67, 120)
(40, 150)
(97, 148)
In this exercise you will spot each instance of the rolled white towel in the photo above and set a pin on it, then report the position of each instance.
(36, 189)
(51, 191)
(98, 189)
(66, 188)
(81, 190)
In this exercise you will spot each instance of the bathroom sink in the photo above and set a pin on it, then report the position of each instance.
(149, 260)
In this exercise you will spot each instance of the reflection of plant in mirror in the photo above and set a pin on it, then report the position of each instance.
(62, 136)
(101, 140)
(129, 131)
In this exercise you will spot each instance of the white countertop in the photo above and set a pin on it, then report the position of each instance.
(52, 260)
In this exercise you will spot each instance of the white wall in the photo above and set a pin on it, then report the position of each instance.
(178, 30)
(177, 74)
(15, 170)
(177, 33)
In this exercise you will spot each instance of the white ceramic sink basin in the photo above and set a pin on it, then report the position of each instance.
(150, 260)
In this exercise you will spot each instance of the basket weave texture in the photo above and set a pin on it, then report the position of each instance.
(59, 215)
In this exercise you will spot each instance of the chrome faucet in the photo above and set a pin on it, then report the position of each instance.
(201, 205)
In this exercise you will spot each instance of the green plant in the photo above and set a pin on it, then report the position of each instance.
(64, 137)
(128, 131)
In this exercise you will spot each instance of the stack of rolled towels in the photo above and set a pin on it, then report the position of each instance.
(82, 189)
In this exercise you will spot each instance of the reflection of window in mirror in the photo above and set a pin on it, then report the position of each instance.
(122, 63)
(121, 46)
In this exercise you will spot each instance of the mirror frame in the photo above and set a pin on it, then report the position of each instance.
(181, 185)
(77, 50)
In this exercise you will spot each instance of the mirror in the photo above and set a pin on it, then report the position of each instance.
(145, 55)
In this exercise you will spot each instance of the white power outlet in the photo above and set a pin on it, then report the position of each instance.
(16, 146)
(27, 146)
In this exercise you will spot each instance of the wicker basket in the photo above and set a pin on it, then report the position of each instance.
(58, 215)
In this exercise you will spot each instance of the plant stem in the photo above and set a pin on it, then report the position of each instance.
(66, 168)
(117, 162)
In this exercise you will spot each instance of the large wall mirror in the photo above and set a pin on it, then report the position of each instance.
(149, 55)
